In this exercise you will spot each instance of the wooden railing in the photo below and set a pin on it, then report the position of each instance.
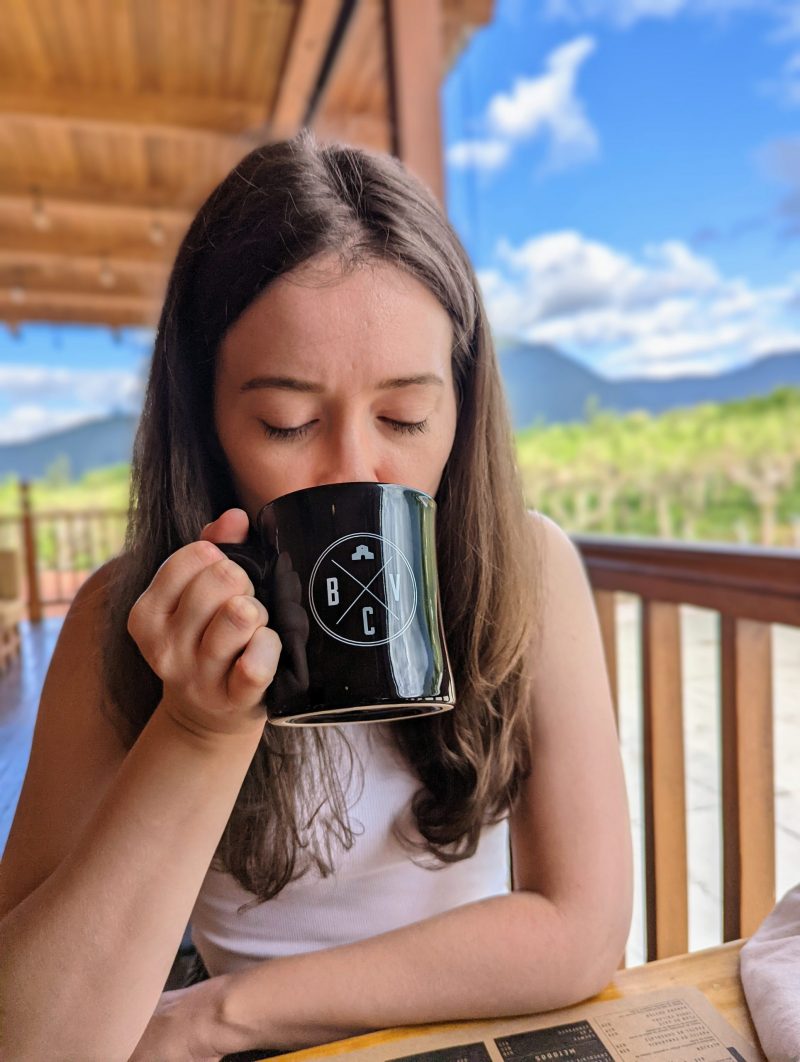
(59, 549)
(750, 588)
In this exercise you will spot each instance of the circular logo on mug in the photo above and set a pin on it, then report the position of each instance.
(362, 590)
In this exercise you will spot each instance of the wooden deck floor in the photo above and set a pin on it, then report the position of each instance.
(20, 689)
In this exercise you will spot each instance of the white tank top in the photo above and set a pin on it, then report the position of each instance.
(375, 886)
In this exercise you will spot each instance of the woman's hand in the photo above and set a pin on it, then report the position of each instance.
(204, 633)
(187, 1026)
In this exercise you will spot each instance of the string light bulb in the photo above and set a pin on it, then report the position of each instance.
(157, 233)
(41, 219)
(107, 276)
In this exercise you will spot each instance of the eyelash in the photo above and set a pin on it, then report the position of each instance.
(402, 426)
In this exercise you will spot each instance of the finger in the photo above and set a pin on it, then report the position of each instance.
(232, 526)
(174, 575)
(210, 589)
(227, 634)
(255, 669)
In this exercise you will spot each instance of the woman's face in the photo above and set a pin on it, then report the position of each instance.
(328, 378)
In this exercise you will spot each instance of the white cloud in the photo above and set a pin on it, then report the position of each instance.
(654, 314)
(30, 421)
(40, 399)
(480, 154)
(104, 388)
(544, 106)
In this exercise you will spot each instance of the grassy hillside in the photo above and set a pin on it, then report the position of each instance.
(722, 471)
(102, 488)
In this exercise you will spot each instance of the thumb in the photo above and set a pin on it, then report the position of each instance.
(232, 526)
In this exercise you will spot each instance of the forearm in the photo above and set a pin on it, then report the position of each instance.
(85, 956)
(506, 955)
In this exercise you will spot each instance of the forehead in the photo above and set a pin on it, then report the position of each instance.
(320, 319)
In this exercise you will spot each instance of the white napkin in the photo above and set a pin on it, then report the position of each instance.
(770, 972)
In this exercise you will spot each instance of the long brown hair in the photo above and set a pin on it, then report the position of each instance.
(282, 205)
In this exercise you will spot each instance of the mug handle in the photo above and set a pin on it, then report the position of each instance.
(250, 558)
(287, 616)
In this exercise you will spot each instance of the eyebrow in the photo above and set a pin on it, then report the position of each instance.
(289, 383)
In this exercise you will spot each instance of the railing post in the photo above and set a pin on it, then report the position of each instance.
(29, 546)
(606, 607)
(748, 800)
(664, 785)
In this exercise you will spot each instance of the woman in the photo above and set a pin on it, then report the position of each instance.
(322, 323)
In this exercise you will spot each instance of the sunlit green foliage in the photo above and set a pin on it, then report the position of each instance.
(725, 471)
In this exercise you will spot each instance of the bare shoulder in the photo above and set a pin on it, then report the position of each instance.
(569, 628)
(76, 750)
(556, 547)
(560, 566)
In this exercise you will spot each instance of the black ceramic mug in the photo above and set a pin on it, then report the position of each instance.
(347, 572)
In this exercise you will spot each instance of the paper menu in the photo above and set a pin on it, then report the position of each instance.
(671, 1025)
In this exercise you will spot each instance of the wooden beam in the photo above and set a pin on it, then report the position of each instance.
(67, 281)
(233, 122)
(50, 260)
(44, 249)
(363, 130)
(415, 63)
(106, 308)
(311, 36)
(101, 201)
(460, 20)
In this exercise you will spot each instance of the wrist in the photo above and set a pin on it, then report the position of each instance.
(237, 1028)
(205, 738)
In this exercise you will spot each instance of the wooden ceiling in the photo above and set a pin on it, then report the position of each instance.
(118, 117)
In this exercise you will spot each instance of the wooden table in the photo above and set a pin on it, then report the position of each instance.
(714, 971)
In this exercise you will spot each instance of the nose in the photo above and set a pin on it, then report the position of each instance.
(350, 457)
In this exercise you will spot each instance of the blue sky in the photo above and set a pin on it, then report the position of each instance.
(625, 175)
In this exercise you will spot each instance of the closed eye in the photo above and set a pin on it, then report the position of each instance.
(409, 427)
(285, 433)
(404, 426)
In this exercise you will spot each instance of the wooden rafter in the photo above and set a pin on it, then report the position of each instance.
(116, 245)
(314, 24)
(144, 113)
(111, 309)
(109, 145)
(95, 201)
(49, 262)
(414, 35)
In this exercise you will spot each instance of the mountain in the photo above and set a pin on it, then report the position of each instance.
(93, 444)
(540, 383)
(543, 383)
